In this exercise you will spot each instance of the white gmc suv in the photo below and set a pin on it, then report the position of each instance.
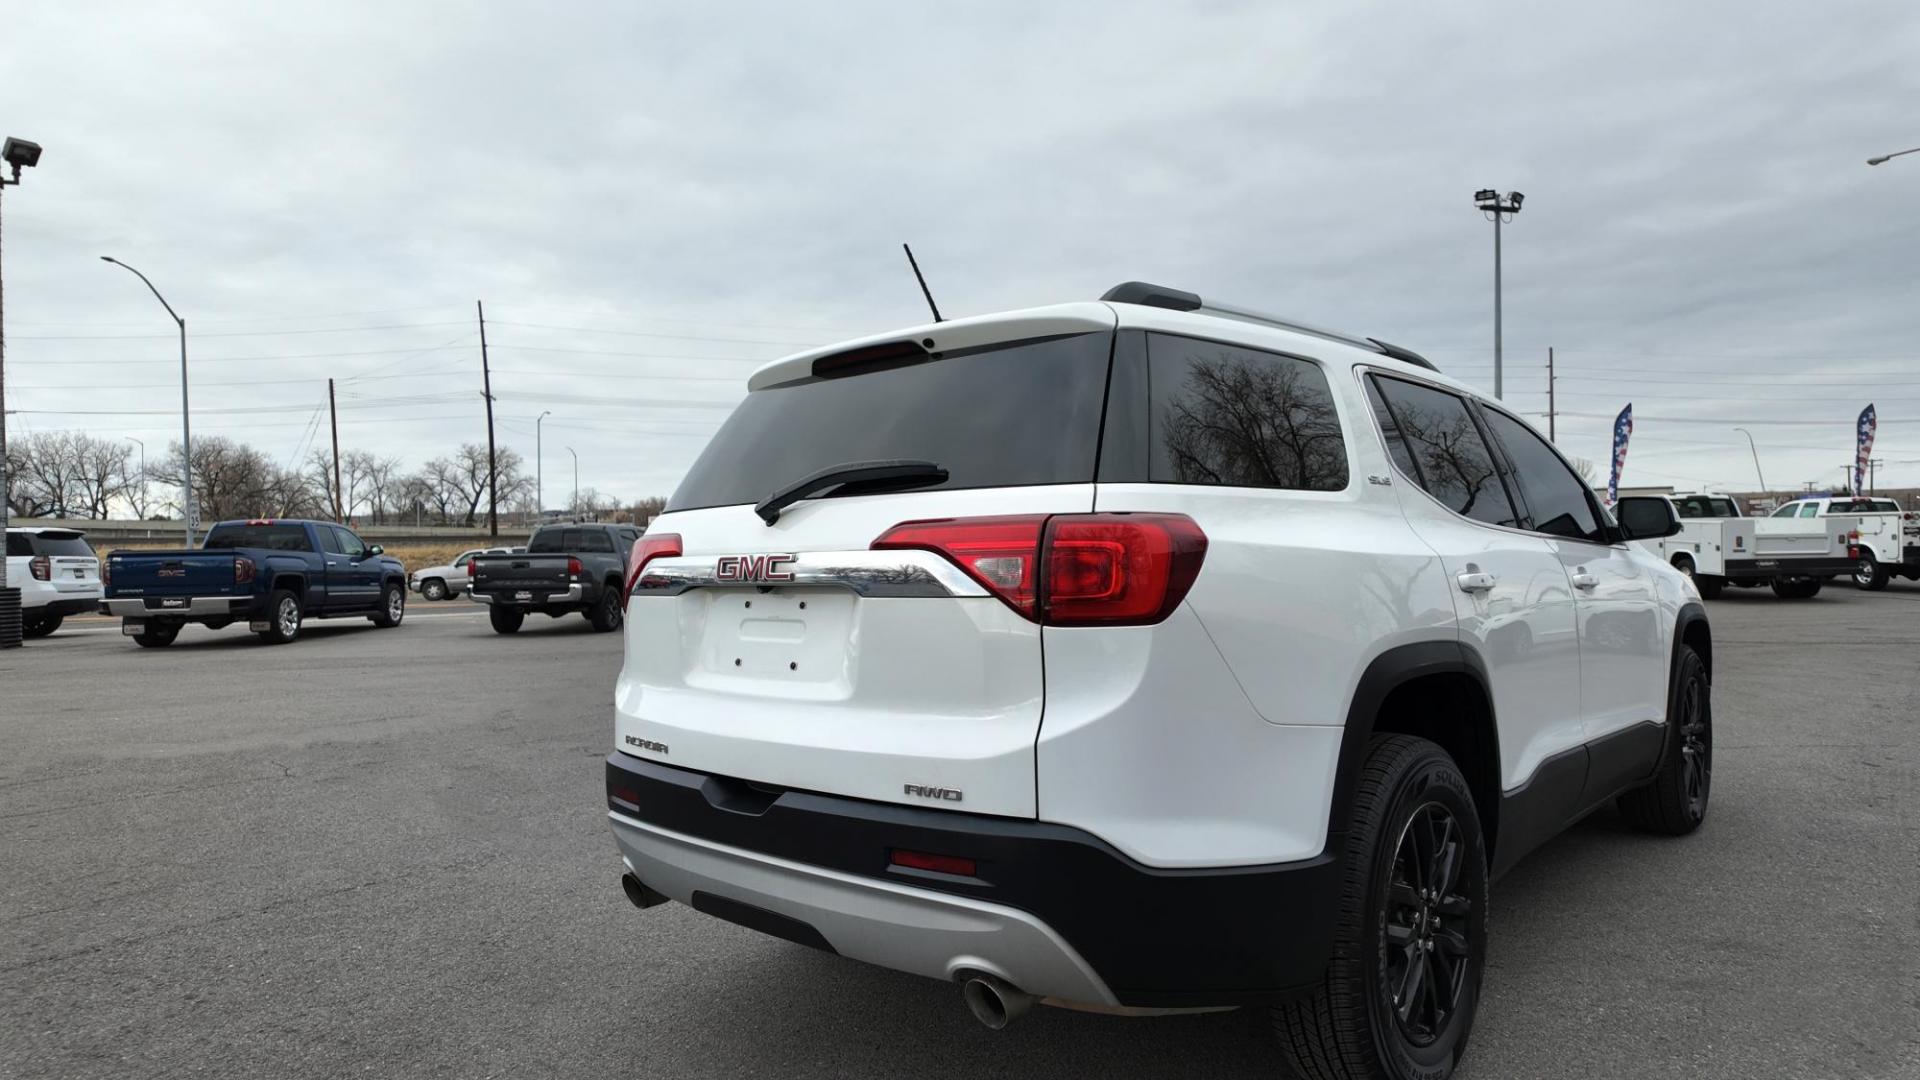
(1140, 656)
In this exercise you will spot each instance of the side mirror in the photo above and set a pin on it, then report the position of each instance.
(1644, 517)
(376, 550)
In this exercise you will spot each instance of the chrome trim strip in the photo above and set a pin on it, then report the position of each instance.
(904, 572)
(571, 596)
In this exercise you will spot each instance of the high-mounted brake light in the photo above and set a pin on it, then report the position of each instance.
(41, 568)
(646, 549)
(242, 570)
(1070, 569)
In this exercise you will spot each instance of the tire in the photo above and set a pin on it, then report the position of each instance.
(1350, 1026)
(1674, 802)
(157, 636)
(1710, 587)
(1800, 589)
(1869, 574)
(283, 618)
(505, 620)
(433, 589)
(606, 614)
(393, 606)
(1684, 564)
(42, 626)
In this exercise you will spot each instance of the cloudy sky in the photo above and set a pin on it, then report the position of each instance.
(652, 198)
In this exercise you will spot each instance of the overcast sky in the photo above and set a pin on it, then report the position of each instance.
(652, 198)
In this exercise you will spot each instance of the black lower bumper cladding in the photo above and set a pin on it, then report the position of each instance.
(1159, 938)
(1768, 569)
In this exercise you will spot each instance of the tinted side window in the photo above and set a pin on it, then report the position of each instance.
(1241, 418)
(329, 540)
(1556, 499)
(595, 540)
(1454, 463)
(1396, 442)
(1810, 510)
(18, 546)
(350, 544)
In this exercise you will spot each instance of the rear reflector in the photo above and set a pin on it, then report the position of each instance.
(649, 547)
(939, 864)
(1070, 569)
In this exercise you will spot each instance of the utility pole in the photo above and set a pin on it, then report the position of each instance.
(1872, 464)
(1550, 437)
(493, 470)
(334, 414)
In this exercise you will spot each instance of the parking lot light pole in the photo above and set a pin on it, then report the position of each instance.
(1884, 158)
(1756, 458)
(16, 154)
(186, 424)
(539, 473)
(1497, 208)
(576, 481)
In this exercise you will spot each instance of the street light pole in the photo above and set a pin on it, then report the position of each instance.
(1498, 208)
(187, 508)
(143, 474)
(539, 472)
(576, 481)
(1884, 158)
(1756, 458)
(17, 154)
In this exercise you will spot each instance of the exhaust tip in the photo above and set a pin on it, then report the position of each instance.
(994, 1001)
(638, 894)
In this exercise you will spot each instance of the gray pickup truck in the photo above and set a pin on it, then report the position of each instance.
(566, 569)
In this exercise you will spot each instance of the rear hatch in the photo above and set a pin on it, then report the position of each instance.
(71, 566)
(791, 654)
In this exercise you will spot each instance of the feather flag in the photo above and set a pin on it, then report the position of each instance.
(1863, 445)
(1622, 427)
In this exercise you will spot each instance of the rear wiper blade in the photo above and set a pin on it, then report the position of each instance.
(910, 472)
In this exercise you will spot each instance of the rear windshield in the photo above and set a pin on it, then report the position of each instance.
(48, 543)
(277, 537)
(1863, 506)
(1700, 506)
(561, 541)
(1009, 416)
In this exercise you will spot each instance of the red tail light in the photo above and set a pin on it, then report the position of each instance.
(242, 570)
(1001, 553)
(646, 549)
(573, 567)
(473, 567)
(41, 568)
(106, 571)
(1071, 569)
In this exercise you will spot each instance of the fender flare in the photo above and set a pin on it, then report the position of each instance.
(1386, 673)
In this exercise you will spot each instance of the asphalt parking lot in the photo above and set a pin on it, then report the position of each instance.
(383, 853)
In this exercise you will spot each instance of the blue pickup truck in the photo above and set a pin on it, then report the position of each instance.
(271, 575)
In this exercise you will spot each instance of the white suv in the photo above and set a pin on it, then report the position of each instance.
(57, 574)
(1139, 656)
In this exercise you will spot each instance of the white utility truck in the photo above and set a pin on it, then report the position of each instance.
(1886, 544)
(1717, 546)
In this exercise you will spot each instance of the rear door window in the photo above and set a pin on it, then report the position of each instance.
(1009, 415)
(1449, 454)
(1236, 417)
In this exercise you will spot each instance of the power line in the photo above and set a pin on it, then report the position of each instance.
(643, 356)
(654, 334)
(236, 333)
(198, 360)
(218, 321)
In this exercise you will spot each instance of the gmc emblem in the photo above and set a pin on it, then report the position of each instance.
(753, 568)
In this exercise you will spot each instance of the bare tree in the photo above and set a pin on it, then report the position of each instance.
(1585, 469)
(645, 510)
(102, 472)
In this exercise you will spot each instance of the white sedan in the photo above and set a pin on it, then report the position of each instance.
(441, 582)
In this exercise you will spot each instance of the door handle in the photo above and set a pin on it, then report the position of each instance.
(1584, 580)
(1475, 582)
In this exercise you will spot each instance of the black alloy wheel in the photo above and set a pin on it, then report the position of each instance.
(1425, 953)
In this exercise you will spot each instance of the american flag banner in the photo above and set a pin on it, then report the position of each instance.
(1863, 445)
(1622, 427)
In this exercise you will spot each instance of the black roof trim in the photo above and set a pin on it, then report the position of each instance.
(1139, 292)
(1408, 355)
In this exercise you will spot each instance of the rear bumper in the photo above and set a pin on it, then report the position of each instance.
(63, 605)
(1768, 569)
(573, 595)
(1053, 910)
(148, 607)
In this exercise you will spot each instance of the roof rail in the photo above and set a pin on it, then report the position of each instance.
(1139, 292)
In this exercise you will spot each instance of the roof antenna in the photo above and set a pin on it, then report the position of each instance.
(921, 278)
